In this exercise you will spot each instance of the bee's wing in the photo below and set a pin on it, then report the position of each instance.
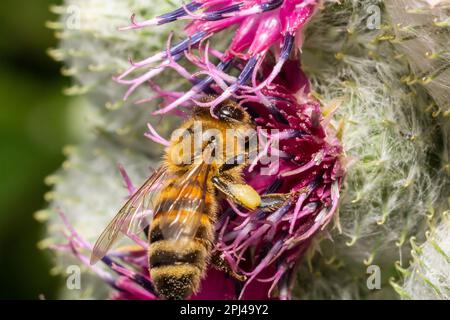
(183, 215)
(134, 216)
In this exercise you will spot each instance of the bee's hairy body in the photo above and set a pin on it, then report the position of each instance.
(183, 195)
(176, 270)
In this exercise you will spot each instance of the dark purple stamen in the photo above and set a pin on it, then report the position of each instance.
(317, 180)
(203, 85)
(139, 279)
(293, 133)
(144, 283)
(287, 46)
(229, 212)
(243, 77)
(284, 209)
(212, 15)
(186, 43)
(247, 71)
(218, 15)
(108, 261)
(271, 5)
(278, 99)
(260, 215)
(178, 13)
(277, 114)
(274, 186)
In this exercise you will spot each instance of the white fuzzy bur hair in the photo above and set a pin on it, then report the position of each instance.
(424, 32)
(94, 51)
(393, 186)
(423, 27)
(429, 276)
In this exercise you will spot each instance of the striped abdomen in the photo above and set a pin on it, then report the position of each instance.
(176, 267)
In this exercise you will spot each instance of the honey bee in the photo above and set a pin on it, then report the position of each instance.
(183, 196)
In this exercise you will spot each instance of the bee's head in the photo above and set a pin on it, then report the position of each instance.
(228, 111)
(231, 112)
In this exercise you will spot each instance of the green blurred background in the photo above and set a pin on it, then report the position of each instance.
(34, 127)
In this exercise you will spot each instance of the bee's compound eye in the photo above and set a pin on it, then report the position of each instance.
(227, 112)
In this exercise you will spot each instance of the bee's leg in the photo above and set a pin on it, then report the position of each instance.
(247, 197)
(240, 193)
(273, 201)
(220, 264)
(243, 194)
(236, 191)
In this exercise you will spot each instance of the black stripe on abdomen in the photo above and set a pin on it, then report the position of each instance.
(170, 258)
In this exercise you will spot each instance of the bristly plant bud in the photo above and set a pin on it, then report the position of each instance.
(428, 277)
(397, 180)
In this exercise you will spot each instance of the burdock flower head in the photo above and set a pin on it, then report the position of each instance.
(299, 150)
(261, 26)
